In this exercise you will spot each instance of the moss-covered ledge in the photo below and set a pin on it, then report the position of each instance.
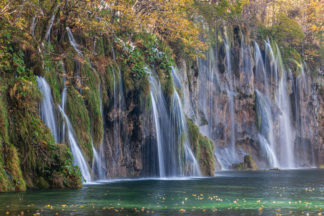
(203, 149)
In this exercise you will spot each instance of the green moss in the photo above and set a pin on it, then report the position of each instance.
(5, 184)
(203, 148)
(3, 118)
(159, 57)
(79, 117)
(100, 48)
(247, 164)
(54, 76)
(12, 167)
(92, 100)
(135, 79)
(37, 152)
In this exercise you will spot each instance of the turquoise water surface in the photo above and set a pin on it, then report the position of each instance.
(291, 192)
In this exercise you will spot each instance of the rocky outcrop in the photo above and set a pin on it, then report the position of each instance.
(247, 164)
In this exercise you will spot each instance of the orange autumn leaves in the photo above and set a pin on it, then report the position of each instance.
(171, 20)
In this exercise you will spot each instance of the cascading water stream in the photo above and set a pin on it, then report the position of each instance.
(97, 163)
(158, 137)
(283, 102)
(33, 25)
(188, 162)
(63, 100)
(73, 43)
(265, 125)
(49, 29)
(47, 111)
(263, 104)
(76, 151)
(230, 95)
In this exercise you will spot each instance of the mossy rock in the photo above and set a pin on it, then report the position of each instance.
(68, 176)
(11, 178)
(247, 164)
(79, 117)
(54, 76)
(203, 149)
(92, 100)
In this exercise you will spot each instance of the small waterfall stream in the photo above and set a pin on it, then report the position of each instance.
(230, 95)
(47, 110)
(162, 126)
(73, 43)
(266, 128)
(188, 162)
(76, 151)
(49, 29)
(158, 137)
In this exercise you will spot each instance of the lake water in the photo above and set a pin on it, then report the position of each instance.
(291, 192)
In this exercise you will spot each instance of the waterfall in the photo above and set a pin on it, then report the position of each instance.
(277, 134)
(286, 142)
(163, 127)
(47, 110)
(301, 92)
(279, 79)
(188, 162)
(76, 151)
(119, 105)
(285, 128)
(47, 114)
(264, 113)
(265, 124)
(214, 87)
(158, 137)
(73, 43)
(174, 152)
(33, 25)
(49, 28)
(63, 100)
(97, 163)
(230, 95)
(268, 149)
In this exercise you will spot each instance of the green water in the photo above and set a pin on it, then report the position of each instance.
(293, 192)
